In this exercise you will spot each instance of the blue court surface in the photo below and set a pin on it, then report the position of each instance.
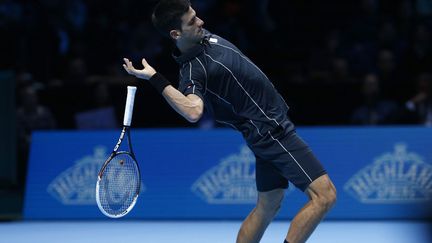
(116, 231)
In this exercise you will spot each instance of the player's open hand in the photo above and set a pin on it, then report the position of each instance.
(146, 73)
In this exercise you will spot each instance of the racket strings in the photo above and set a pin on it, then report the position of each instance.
(119, 185)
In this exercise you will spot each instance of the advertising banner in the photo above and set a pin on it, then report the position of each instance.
(380, 173)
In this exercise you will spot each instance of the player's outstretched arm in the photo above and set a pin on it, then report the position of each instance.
(190, 107)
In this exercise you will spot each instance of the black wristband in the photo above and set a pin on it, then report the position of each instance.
(159, 82)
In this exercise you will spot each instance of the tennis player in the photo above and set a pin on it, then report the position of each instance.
(216, 75)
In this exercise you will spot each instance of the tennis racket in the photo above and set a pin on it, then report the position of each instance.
(119, 179)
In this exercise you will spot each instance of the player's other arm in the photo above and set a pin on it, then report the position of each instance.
(190, 107)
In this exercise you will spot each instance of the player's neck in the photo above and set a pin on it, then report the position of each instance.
(185, 46)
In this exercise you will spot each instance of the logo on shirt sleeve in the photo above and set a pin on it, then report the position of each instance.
(213, 40)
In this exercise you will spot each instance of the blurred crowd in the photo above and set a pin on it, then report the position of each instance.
(363, 62)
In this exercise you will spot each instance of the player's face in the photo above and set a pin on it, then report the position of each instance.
(192, 26)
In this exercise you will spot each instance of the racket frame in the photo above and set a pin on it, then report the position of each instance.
(125, 131)
(115, 152)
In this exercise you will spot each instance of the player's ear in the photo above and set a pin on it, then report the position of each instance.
(175, 34)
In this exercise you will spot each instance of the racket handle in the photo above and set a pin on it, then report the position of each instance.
(127, 119)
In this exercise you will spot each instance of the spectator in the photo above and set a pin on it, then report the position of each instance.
(31, 116)
(386, 65)
(374, 110)
(419, 107)
(419, 53)
(340, 72)
(389, 38)
(232, 26)
(102, 115)
(391, 75)
(76, 73)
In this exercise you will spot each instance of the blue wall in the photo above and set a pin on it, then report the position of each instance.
(380, 173)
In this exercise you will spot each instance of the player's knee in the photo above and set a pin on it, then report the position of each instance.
(331, 197)
(322, 192)
(327, 197)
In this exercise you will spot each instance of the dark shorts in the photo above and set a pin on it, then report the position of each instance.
(284, 157)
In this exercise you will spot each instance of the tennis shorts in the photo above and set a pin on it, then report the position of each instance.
(281, 157)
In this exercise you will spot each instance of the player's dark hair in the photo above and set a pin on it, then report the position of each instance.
(167, 15)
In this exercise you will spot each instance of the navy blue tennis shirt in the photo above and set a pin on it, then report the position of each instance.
(233, 88)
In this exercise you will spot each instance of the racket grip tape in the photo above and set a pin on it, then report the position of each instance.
(127, 119)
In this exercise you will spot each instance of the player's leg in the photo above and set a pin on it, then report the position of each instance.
(322, 195)
(255, 224)
(271, 188)
(298, 164)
